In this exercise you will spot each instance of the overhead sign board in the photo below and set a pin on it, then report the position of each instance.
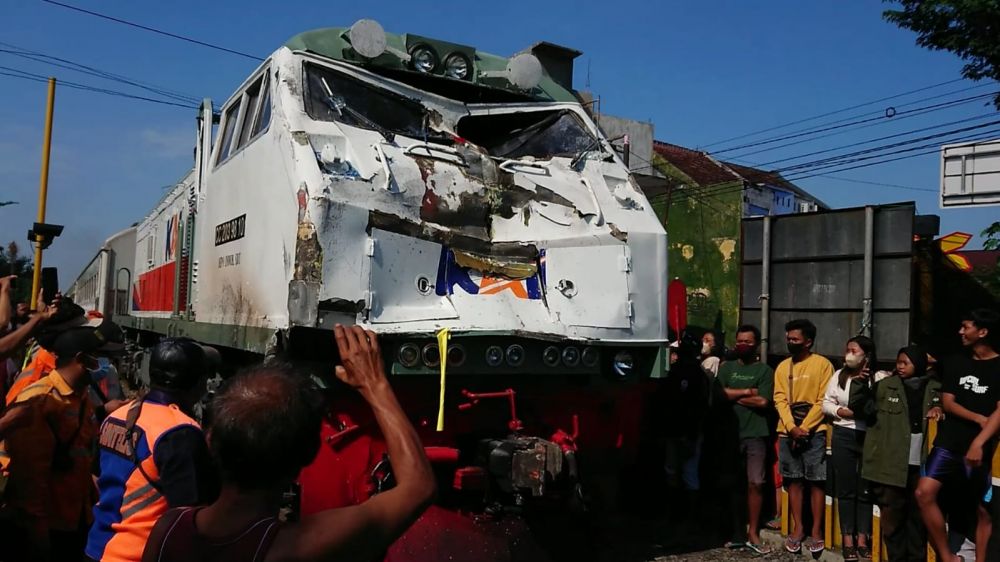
(970, 174)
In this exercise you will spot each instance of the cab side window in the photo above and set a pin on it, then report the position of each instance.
(257, 99)
(227, 132)
(247, 117)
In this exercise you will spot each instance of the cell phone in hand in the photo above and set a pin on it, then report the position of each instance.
(50, 284)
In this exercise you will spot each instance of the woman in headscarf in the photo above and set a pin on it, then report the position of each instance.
(896, 408)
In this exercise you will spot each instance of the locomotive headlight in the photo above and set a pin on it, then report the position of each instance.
(457, 66)
(590, 356)
(571, 356)
(408, 355)
(515, 355)
(431, 355)
(624, 363)
(494, 355)
(550, 356)
(456, 355)
(423, 59)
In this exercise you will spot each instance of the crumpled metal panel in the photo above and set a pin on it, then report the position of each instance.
(403, 272)
(579, 295)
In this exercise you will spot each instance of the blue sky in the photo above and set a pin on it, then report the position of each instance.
(699, 71)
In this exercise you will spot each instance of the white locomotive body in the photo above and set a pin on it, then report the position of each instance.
(340, 189)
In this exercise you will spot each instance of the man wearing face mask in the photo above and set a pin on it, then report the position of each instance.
(748, 384)
(799, 386)
(50, 491)
(169, 465)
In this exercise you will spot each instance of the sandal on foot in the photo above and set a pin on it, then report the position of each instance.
(850, 554)
(774, 524)
(793, 545)
(815, 546)
(759, 548)
(864, 553)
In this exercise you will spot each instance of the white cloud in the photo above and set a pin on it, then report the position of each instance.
(174, 143)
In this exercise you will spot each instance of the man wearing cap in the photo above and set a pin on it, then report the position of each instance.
(50, 491)
(39, 359)
(153, 454)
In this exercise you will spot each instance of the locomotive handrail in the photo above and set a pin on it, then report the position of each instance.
(432, 148)
(385, 166)
(593, 197)
(508, 164)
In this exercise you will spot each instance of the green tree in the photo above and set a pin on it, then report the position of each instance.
(968, 28)
(13, 263)
(992, 237)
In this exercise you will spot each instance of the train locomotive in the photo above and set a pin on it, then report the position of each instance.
(467, 208)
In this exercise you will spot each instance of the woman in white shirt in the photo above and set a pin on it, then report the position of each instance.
(855, 507)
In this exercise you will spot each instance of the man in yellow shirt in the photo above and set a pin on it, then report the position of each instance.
(799, 384)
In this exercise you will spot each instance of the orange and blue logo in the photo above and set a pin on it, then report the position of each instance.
(474, 282)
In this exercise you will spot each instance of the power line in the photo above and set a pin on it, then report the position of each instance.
(840, 162)
(154, 30)
(723, 190)
(95, 72)
(834, 159)
(882, 184)
(835, 112)
(887, 112)
(901, 114)
(839, 132)
(17, 73)
(887, 137)
(983, 136)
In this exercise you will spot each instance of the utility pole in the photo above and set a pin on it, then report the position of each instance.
(43, 192)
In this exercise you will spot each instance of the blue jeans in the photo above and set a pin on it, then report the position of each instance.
(683, 455)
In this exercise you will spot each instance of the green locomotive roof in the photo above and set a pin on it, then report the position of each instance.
(333, 43)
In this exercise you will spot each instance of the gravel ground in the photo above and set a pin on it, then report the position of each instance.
(723, 555)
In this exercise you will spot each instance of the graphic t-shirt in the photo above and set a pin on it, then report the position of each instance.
(734, 375)
(976, 386)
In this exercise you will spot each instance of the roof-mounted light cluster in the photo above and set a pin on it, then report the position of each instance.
(368, 39)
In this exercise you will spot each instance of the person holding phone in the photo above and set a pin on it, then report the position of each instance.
(855, 507)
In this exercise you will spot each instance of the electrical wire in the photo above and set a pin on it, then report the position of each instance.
(888, 112)
(834, 159)
(724, 190)
(59, 62)
(869, 141)
(878, 183)
(834, 112)
(988, 135)
(16, 73)
(154, 30)
(885, 118)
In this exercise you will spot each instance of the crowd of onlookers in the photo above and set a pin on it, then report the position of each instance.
(87, 473)
(860, 433)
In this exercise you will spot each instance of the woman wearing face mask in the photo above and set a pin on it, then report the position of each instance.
(855, 508)
(896, 408)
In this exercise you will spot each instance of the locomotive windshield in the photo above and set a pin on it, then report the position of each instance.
(539, 134)
(332, 96)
